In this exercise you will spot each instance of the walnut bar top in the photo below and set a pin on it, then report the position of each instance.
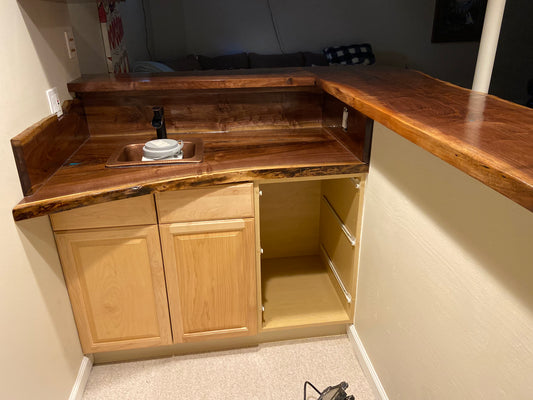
(192, 80)
(228, 157)
(486, 137)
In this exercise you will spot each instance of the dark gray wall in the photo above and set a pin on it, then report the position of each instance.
(513, 66)
(135, 36)
(166, 29)
(399, 31)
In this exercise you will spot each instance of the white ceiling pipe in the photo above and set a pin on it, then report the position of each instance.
(488, 45)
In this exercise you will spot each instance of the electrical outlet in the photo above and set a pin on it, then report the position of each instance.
(71, 44)
(344, 123)
(54, 102)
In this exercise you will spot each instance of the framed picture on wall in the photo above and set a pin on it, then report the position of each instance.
(458, 20)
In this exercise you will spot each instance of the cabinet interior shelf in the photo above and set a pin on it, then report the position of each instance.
(298, 291)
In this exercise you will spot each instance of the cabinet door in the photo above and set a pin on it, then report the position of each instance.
(116, 284)
(211, 278)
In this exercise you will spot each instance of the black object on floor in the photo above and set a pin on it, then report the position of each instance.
(331, 392)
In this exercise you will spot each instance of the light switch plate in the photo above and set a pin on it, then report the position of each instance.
(71, 44)
(54, 102)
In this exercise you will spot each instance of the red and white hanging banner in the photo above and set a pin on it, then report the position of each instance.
(113, 36)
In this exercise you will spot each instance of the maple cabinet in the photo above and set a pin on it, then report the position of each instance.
(116, 285)
(192, 265)
(309, 233)
(211, 282)
(124, 296)
(208, 245)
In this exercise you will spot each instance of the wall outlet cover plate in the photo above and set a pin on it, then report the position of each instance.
(54, 102)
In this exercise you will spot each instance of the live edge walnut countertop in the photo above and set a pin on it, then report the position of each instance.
(486, 137)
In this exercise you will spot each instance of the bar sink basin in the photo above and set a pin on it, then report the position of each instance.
(131, 155)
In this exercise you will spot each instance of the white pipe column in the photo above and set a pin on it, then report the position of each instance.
(488, 45)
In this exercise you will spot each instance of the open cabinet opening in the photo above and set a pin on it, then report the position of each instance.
(308, 232)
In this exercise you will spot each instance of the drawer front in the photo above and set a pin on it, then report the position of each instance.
(221, 202)
(128, 212)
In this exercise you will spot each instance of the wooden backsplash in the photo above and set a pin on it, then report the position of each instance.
(43, 147)
(358, 134)
(120, 113)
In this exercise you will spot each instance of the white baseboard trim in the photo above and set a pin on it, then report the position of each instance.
(364, 361)
(81, 379)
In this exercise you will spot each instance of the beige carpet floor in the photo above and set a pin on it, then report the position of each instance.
(270, 371)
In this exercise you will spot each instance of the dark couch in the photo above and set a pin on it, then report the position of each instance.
(353, 54)
(246, 60)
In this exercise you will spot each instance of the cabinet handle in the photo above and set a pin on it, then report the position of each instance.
(345, 230)
(334, 270)
(356, 182)
(184, 228)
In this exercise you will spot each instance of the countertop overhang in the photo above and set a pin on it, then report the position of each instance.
(228, 158)
(486, 137)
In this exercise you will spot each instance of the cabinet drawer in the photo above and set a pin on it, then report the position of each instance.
(128, 212)
(221, 202)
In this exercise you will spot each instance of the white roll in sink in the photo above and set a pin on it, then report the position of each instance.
(160, 149)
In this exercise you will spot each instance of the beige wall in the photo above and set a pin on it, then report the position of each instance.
(88, 33)
(445, 296)
(40, 354)
(88, 36)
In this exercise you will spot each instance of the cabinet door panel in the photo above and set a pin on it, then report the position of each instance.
(210, 278)
(116, 284)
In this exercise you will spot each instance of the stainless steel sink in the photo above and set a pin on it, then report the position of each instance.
(131, 155)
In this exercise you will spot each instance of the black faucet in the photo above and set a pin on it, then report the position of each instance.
(158, 122)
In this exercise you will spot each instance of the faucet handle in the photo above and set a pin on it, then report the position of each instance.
(159, 115)
(158, 122)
